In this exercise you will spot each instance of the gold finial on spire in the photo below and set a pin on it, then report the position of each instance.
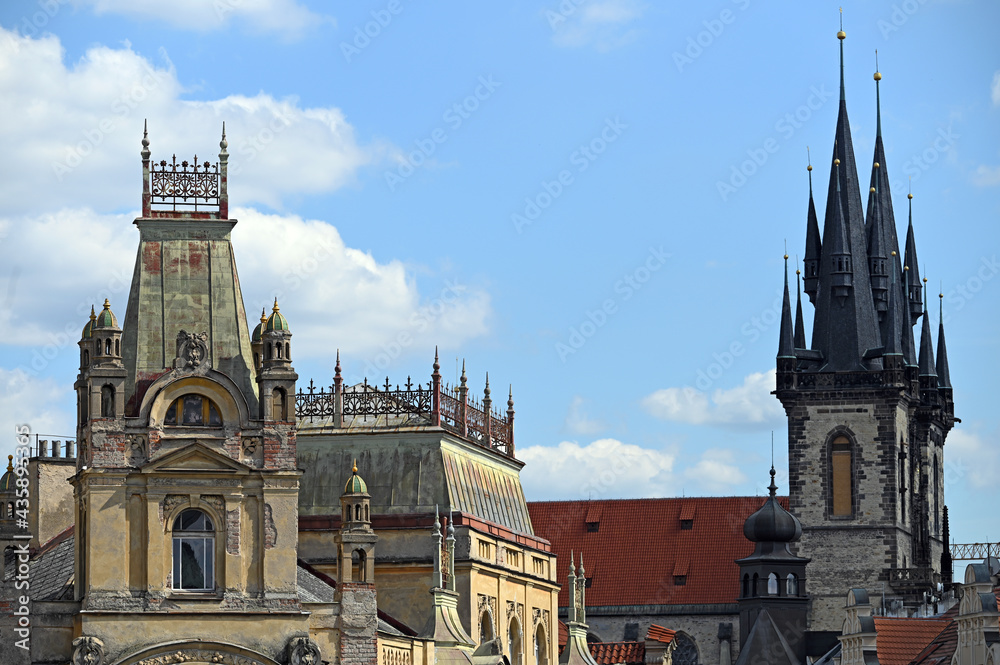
(872, 190)
(878, 76)
(93, 317)
(809, 162)
(275, 308)
(877, 165)
(836, 162)
(355, 469)
(841, 35)
(107, 304)
(10, 462)
(263, 317)
(893, 252)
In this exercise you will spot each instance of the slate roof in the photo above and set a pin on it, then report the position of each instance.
(766, 645)
(632, 557)
(900, 640)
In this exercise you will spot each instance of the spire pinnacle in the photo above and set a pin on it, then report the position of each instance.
(927, 368)
(878, 102)
(773, 487)
(943, 373)
(223, 144)
(842, 36)
(275, 308)
(799, 333)
(814, 245)
(786, 340)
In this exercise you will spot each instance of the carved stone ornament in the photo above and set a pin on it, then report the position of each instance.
(88, 651)
(200, 656)
(192, 351)
(303, 651)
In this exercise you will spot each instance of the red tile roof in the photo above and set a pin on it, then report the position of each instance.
(900, 640)
(611, 653)
(941, 649)
(639, 544)
(660, 634)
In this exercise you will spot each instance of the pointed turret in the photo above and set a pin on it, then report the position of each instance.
(906, 330)
(814, 246)
(943, 374)
(928, 373)
(845, 329)
(893, 348)
(913, 272)
(800, 328)
(786, 340)
(878, 258)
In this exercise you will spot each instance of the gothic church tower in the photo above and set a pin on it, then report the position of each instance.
(867, 415)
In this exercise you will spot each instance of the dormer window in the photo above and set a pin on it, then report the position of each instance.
(193, 411)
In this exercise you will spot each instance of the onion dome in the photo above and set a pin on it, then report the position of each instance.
(88, 330)
(355, 484)
(772, 523)
(7, 481)
(106, 319)
(276, 321)
(260, 326)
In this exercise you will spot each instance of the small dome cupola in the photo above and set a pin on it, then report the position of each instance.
(355, 502)
(106, 319)
(257, 343)
(355, 484)
(88, 330)
(8, 480)
(276, 321)
(255, 338)
(772, 523)
(86, 341)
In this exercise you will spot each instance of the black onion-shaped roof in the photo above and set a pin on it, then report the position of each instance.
(772, 523)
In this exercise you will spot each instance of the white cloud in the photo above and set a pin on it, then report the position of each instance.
(604, 469)
(971, 460)
(603, 24)
(577, 421)
(747, 404)
(286, 18)
(333, 295)
(71, 133)
(995, 89)
(717, 471)
(987, 176)
(33, 402)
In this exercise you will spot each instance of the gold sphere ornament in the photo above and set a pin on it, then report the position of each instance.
(894, 252)
(836, 162)
(809, 168)
(841, 35)
(872, 190)
(798, 272)
(876, 165)
(909, 196)
(925, 280)
(786, 257)
(878, 76)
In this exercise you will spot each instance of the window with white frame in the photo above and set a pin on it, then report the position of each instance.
(194, 552)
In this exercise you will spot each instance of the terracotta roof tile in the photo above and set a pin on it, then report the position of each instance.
(941, 649)
(632, 556)
(612, 653)
(900, 640)
(660, 634)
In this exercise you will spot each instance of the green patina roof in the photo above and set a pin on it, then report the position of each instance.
(355, 484)
(256, 331)
(276, 321)
(106, 319)
(88, 330)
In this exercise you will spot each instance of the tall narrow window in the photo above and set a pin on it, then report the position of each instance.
(772, 585)
(541, 653)
(791, 585)
(278, 405)
(194, 552)
(937, 500)
(107, 402)
(485, 627)
(514, 642)
(840, 476)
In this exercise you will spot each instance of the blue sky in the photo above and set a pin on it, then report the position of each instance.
(590, 200)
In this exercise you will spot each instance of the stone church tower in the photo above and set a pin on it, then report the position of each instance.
(867, 414)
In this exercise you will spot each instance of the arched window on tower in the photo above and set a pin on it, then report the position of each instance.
(86, 358)
(746, 585)
(541, 649)
(107, 347)
(193, 411)
(278, 404)
(753, 584)
(485, 627)
(194, 552)
(937, 500)
(514, 642)
(358, 565)
(791, 585)
(108, 402)
(772, 585)
(902, 481)
(841, 481)
(288, 351)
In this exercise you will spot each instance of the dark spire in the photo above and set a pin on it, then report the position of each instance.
(913, 274)
(846, 327)
(842, 36)
(944, 376)
(786, 339)
(814, 246)
(800, 328)
(927, 347)
(906, 331)
(878, 263)
(893, 324)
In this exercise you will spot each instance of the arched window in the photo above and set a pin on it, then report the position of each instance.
(86, 357)
(267, 351)
(841, 481)
(193, 411)
(514, 642)
(485, 627)
(108, 401)
(118, 347)
(288, 351)
(277, 348)
(902, 481)
(194, 552)
(357, 512)
(358, 565)
(541, 649)
(107, 347)
(256, 360)
(746, 585)
(753, 585)
(791, 585)
(686, 652)
(278, 404)
(772, 585)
